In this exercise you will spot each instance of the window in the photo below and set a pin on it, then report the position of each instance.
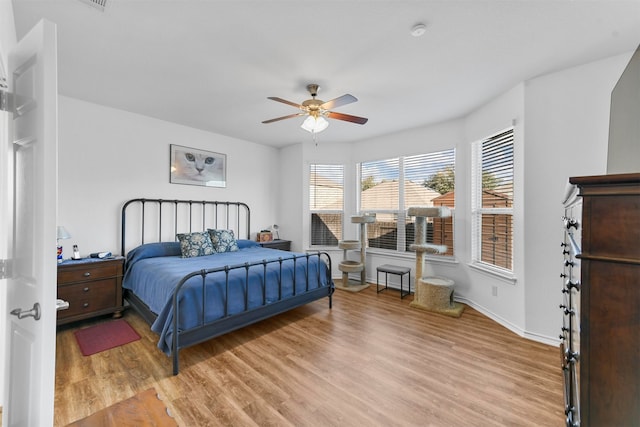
(326, 195)
(389, 187)
(492, 201)
(379, 194)
(430, 181)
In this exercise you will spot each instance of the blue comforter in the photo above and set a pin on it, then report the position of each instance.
(154, 270)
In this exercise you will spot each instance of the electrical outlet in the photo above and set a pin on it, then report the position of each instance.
(494, 291)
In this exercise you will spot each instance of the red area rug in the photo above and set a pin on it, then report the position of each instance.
(104, 336)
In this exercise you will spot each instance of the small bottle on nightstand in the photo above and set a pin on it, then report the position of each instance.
(76, 253)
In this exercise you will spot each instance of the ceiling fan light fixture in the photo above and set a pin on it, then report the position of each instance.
(314, 124)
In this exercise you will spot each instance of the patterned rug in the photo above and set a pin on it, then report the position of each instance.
(105, 336)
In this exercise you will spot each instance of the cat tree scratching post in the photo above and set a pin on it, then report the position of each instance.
(432, 293)
(347, 266)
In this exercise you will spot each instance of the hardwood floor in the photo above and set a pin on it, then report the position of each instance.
(371, 360)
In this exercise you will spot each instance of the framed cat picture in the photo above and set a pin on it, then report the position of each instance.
(197, 167)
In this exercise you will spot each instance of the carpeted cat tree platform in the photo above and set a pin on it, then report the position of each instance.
(350, 266)
(432, 293)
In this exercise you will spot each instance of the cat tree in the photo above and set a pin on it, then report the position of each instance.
(432, 293)
(348, 266)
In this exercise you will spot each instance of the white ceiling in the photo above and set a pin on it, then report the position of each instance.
(212, 64)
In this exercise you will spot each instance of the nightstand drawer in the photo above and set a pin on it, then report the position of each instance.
(88, 297)
(88, 272)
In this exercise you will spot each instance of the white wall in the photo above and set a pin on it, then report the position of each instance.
(559, 116)
(291, 184)
(508, 305)
(107, 156)
(7, 43)
(567, 128)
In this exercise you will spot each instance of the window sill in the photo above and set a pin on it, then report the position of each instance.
(447, 260)
(323, 249)
(444, 260)
(503, 275)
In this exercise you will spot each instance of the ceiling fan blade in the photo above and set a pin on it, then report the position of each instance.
(284, 117)
(347, 117)
(284, 101)
(338, 102)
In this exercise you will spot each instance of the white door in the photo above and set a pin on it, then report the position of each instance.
(31, 285)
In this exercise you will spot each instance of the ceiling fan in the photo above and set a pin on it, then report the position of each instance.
(318, 110)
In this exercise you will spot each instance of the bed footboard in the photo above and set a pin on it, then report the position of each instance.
(230, 322)
(315, 284)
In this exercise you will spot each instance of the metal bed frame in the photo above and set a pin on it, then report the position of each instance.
(170, 217)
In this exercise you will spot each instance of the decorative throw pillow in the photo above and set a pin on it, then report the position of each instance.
(223, 240)
(195, 244)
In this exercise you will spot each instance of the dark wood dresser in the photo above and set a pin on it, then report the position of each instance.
(609, 289)
(92, 287)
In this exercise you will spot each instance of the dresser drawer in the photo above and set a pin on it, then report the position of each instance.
(88, 297)
(87, 272)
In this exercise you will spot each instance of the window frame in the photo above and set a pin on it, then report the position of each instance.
(479, 212)
(401, 217)
(312, 211)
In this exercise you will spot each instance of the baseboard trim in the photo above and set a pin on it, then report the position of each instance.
(513, 328)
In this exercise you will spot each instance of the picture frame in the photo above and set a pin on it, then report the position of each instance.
(193, 166)
(265, 236)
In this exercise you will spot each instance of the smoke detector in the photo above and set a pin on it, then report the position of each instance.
(418, 30)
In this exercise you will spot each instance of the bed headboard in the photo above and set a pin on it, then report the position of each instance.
(159, 220)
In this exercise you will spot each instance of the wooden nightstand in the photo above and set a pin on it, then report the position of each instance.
(283, 245)
(91, 286)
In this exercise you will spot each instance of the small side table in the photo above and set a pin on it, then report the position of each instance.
(393, 269)
(283, 245)
(91, 287)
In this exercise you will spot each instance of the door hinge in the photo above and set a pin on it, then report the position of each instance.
(6, 101)
(6, 97)
(5, 270)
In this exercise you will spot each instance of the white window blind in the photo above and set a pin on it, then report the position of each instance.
(430, 181)
(326, 204)
(380, 194)
(492, 200)
(389, 187)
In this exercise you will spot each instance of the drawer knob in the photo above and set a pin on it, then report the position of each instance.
(87, 274)
(568, 311)
(85, 290)
(85, 305)
(575, 285)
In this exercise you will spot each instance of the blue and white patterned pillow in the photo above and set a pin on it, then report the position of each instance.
(223, 240)
(195, 244)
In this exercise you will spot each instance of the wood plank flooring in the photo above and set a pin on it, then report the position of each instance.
(371, 360)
